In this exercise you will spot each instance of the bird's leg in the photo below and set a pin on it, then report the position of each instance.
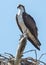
(24, 34)
(21, 36)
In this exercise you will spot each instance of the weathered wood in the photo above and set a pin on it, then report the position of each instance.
(20, 49)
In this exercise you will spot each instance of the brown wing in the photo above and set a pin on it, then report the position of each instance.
(30, 23)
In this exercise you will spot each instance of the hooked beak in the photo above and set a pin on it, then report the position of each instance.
(17, 6)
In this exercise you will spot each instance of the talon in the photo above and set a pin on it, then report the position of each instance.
(21, 36)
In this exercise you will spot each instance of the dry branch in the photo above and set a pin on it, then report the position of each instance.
(20, 49)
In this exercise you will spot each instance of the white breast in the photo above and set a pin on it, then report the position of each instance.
(21, 23)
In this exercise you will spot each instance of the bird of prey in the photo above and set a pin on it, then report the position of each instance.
(27, 25)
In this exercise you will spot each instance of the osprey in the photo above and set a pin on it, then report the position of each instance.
(27, 25)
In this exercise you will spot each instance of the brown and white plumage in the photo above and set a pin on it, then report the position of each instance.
(26, 22)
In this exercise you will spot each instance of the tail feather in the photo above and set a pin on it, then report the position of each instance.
(34, 41)
(37, 45)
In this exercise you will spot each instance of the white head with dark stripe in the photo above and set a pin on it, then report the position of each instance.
(21, 9)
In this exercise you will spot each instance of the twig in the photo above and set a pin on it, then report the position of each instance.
(10, 55)
(4, 57)
(42, 55)
(42, 62)
(26, 62)
(31, 51)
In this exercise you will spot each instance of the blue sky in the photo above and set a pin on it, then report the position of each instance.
(9, 31)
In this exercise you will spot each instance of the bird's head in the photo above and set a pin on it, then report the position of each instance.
(21, 7)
